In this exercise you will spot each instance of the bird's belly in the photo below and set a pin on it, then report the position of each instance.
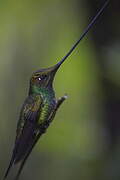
(46, 111)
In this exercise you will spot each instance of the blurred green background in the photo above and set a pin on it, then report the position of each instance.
(83, 142)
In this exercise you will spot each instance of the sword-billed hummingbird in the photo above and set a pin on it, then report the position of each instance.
(39, 108)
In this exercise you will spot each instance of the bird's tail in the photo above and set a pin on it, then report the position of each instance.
(26, 156)
(23, 147)
(9, 167)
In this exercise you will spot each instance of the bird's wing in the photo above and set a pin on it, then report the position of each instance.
(29, 113)
(26, 129)
(27, 125)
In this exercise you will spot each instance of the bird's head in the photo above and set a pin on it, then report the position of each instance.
(44, 77)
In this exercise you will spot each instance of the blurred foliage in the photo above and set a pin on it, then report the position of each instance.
(36, 34)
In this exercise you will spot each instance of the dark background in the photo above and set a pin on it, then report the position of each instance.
(83, 142)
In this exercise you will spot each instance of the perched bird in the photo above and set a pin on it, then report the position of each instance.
(39, 108)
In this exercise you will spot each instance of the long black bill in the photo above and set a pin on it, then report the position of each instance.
(83, 34)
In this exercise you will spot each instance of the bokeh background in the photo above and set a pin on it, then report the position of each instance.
(83, 142)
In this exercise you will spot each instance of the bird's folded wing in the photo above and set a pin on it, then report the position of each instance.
(26, 129)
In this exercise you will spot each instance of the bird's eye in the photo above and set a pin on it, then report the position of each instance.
(42, 77)
(39, 79)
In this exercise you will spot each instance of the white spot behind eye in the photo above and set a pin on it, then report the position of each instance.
(39, 79)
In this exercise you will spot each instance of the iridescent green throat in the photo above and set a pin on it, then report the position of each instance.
(44, 92)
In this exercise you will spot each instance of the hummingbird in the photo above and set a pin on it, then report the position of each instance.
(40, 107)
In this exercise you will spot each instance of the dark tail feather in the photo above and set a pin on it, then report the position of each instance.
(9, 167)
(26, 156)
